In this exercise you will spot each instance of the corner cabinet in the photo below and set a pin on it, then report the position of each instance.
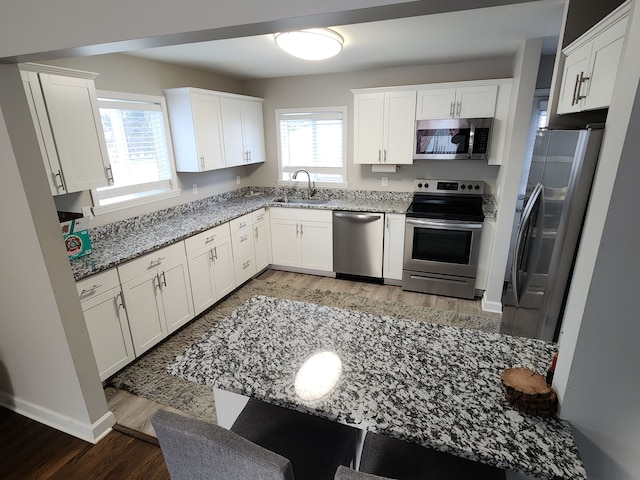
(302, 239)
(213, 130)
(157, 294)
(384, 127)
(64, 108)
(106, 320)
(462, 102)
(591, 64)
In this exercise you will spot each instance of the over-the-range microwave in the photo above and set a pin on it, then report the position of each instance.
(453, 139)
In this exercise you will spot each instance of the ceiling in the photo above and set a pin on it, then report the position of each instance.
(421, 40)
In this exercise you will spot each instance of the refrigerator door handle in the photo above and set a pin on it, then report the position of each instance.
(528, 210)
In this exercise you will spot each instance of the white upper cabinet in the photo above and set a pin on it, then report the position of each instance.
(243, 131)
(196, 127)
(461, 102)
(64, 108)
(591, 64)
(384, 127)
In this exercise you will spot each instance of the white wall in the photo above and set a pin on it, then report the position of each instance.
(48, 371)
(597, 372)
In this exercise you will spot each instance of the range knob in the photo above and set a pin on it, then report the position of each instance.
(463, 186)
(420, 185)
(470, 186)
(477, 187)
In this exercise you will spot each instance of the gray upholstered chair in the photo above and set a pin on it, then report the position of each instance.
(197, 450)
(266, 442)
(390, 457)
(346, 473)
(315, 446)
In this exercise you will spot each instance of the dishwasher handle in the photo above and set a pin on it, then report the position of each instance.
(364, 217)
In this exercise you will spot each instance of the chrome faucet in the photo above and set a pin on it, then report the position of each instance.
(312, 191)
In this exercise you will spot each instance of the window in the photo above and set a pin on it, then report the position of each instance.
(313, 139)
(136, 132)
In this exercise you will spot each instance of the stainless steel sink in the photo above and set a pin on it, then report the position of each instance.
(309, 201)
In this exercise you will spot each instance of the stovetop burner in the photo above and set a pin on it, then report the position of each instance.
(447, 200)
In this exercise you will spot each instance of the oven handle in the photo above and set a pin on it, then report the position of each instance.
(449, 224)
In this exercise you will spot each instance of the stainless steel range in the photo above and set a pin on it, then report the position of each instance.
(442, 237)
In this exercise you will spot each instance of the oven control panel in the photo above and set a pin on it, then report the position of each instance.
(448, 186)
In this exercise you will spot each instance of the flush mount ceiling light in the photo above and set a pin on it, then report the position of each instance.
(311, 44)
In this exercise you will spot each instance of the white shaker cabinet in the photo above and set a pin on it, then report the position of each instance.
(196, 127)
(106, 320)
(591, 64)
(243, 243)
(262, 238)
(302, 239)
(243, 130)
(384, 127)
(393, 256)
(460, 102)
(210, 261)
(157, 293)
(64, 109)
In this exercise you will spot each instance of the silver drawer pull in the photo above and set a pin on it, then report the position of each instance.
(210, 239)
(244, 238)
(90, 290)
(246, 264)
(158, 261)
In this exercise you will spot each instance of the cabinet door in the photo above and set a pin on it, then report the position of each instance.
(476, 102)
(223, 267)
(369, 128)
(108, 331)
(574, 65)
(605, 57)
(316, 245)
(262, 245)
(285, 243)
(145, 311)
(400, 117)
(393, 246)
(176, 294)
(232, 132)
(435, 103)
(72, 107)
(208, 131)
(203, 289)
(46, 143)
(253, 131)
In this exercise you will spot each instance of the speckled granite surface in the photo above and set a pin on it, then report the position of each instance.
(435, 385)
(122, 241)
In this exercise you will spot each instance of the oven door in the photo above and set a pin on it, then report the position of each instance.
(442, 246)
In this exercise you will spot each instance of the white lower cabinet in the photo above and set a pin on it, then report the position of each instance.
(157, 293)
(242, 240)
(210, 261)
(106, 319)
(262, 238)
(302, 238)
(484, 259)
(393, 256)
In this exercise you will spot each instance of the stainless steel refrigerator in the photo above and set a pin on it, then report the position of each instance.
(557, 193)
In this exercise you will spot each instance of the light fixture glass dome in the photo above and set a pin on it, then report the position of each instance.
(311, 44)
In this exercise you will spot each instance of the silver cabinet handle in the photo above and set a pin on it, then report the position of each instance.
(574, 99)
(215, 253)
(379, 156)
(120, 301)
(301, 229)
(211, 255)
(90, 290)
(582, 80)
(155, 263)
(256, 231)
(297, 229)
(109, 174)
(164, 279)
(246, 264)
(458, 109)
(201, 162)
(451, 111)
(244, 238)
(385, 155)
(61, 186)
(210, 239)
(157, 277)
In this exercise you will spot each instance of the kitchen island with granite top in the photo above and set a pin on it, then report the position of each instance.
(437, 386)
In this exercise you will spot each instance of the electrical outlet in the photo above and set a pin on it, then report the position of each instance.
(237, 179)
(385, 181)
(194, 188)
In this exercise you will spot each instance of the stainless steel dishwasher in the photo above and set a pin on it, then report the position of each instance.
(358, 244)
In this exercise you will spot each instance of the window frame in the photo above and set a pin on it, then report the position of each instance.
(302, 182)
(143, 193)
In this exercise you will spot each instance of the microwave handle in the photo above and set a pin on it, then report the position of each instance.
(472, 134)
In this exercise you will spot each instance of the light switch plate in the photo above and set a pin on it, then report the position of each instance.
(385, 181)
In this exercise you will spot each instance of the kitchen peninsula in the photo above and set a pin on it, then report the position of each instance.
(438, 386)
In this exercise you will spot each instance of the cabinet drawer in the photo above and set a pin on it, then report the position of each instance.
(97, 284)
(259, 215)
(244, 268)
(208, 237)
(301, 214)
(242, 243)
(240, 223)
(151, 261)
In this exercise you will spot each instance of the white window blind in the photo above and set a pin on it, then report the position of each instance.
(139, 149)
(313, 139)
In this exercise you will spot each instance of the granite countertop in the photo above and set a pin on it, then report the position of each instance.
(126, 240)
(438, 386)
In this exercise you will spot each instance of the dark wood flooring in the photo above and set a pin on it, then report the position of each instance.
(31, 450)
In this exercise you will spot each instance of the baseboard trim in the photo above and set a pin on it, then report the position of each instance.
(494, 307)
(91, 433)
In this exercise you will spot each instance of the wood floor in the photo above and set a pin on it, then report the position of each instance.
(32, 450)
